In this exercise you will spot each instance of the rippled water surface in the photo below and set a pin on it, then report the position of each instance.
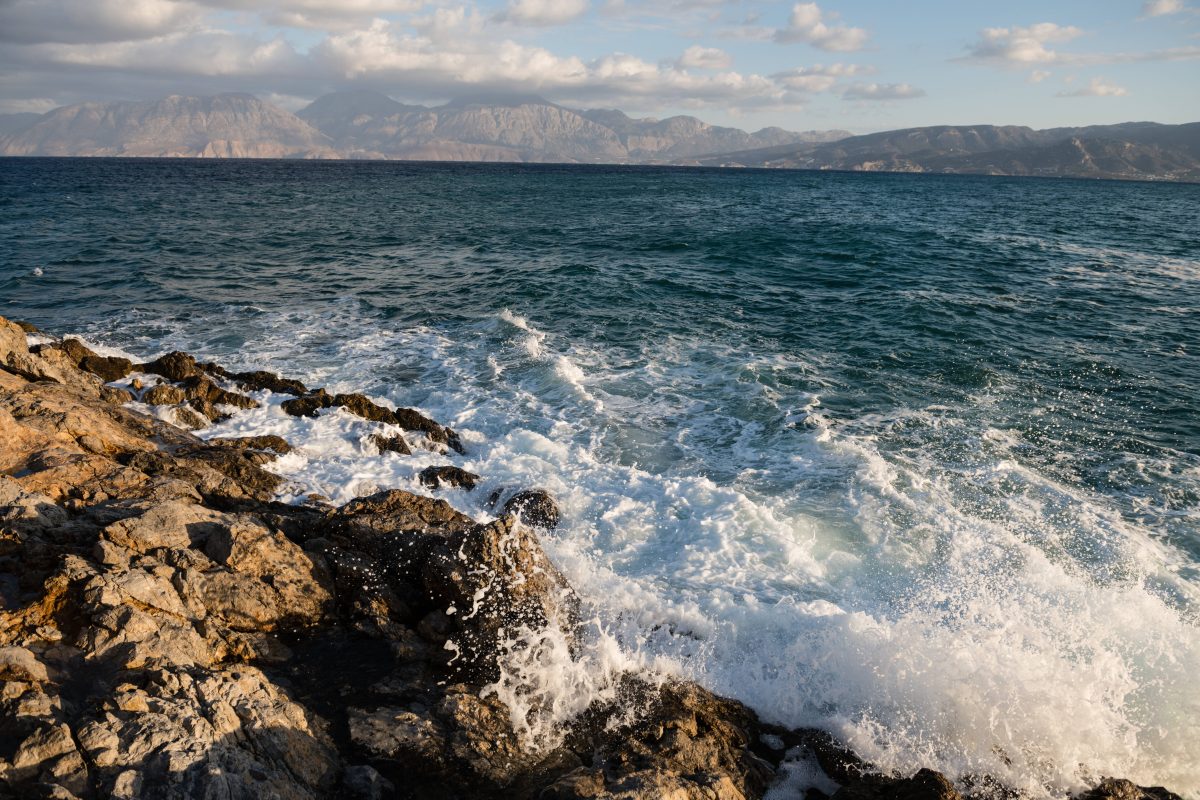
(913, 458)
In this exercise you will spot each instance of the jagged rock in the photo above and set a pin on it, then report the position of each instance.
(269, 442)
(12, 339)
(395, 510)
(308, 405)
(435, 477)
(534, 507)
(365, 783)
(204, 396)
(1119, 789)
(391, 444)
(163, 394)
(188, 419)
(926, 784)
(224, 732)
(18, 664)
(260, 379)
(498, 580)
(109, 368)
(360, 405)
(174, 366)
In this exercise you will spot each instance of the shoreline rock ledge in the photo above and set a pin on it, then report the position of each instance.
(168, 630)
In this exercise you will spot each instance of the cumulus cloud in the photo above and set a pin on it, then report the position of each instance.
(1097, 88)
(1039, 75)
(543, 12)
(1022, 45)
(820, 78)
(1159, 8)
(882, 91)
(81, 21)
(807, 25)
(704, 58)
(318, 14)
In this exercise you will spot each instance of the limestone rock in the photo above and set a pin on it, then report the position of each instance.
(163, 394)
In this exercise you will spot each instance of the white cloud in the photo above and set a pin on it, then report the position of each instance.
(882, 91)
(1022, 45)
(79, 21)
(807, 25)
(1039, 75)
(543, 12)
(819, 78)
(1159, 8)
(1097, 88)
(704, 58)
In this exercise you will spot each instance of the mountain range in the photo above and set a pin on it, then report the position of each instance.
(520, 128)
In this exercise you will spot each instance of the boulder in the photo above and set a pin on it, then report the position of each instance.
(258, 380)
(436, 477)
(174, 366)
(498, 580)
(534, 507)
(391, 444)
(276, 444)
(108, 368)
(308, 405)
(1119, 789)
(163, 394)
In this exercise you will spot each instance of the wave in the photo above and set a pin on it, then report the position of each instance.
(916, 582)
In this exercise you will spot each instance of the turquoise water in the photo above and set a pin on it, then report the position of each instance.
(914, 458)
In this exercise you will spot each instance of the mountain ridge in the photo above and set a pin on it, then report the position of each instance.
(529, 128)
(1127, 151)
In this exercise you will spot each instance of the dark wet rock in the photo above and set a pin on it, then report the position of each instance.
(391, 444)
(258, 380)
(926, 784)
(308, 405)
(366, 518)
(361, 405)
(498, 580)
(163, 394)
(243, 466)
(198, 388)
(28, 327)
(1118, 789)
(276, 444)
(534, 507)
(412, 420)
(174, 366)
(687, 742)
(365, 783)
(109, 368)
(435, 477)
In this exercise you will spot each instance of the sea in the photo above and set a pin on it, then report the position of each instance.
(914, 459)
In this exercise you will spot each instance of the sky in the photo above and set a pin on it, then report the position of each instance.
(859, 65)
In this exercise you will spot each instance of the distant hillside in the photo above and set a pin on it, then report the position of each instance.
(224, 126)
(1132, 150)
(526, 128)
(12, 123)
(372, 125)
(522, 128)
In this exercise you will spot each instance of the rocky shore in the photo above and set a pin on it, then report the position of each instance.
(169, 630)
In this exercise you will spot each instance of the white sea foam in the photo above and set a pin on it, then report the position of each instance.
(971, 614)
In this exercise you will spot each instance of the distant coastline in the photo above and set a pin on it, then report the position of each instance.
(373, 127)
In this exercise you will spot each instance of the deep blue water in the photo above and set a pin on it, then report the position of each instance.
(935, 401)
